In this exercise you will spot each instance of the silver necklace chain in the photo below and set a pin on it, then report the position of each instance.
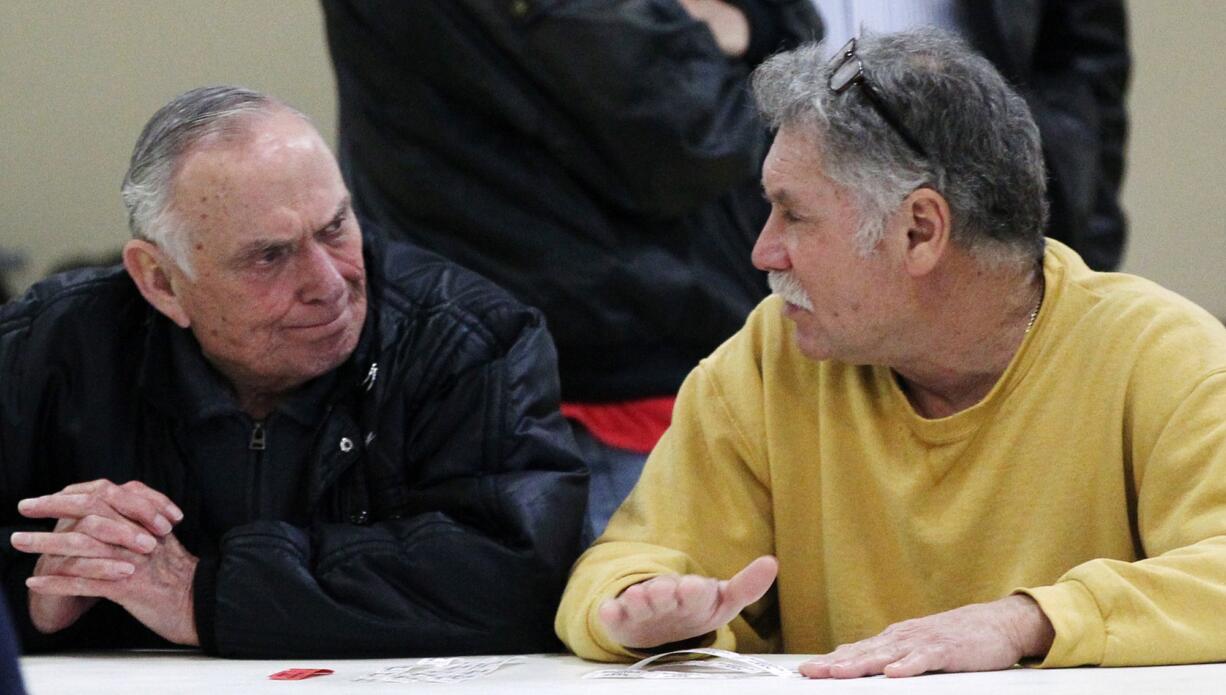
(1034, 313)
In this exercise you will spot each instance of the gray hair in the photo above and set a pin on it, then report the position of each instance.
(984, 153)
(170, 133)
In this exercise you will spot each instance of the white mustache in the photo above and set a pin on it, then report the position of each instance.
(786, 285)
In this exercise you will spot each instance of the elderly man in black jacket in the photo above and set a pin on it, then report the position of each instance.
(269, 437)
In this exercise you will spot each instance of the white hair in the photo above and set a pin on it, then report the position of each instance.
(169, 134)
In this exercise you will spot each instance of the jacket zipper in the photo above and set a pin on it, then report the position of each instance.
(257, 444)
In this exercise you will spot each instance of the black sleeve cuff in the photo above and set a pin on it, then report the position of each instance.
(204, 602)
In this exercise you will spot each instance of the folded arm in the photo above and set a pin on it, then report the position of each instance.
(474, 554)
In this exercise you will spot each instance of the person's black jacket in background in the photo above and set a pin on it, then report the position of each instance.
(445, 495)
(598, 158)
(1070, 60)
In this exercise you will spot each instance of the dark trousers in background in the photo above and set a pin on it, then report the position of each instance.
(614, 471)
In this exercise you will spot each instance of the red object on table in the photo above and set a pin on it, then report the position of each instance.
(297, 674)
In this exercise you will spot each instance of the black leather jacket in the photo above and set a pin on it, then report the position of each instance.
(445, 495)
(598, 158)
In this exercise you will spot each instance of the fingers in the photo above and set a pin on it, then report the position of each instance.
(727, 22)
(917, 662)
(117, 532)
(92, 568)
(977, 637)
(133, 501)
(640, 602)
(817, 667)
(661, 594)
(820, 665)
(866, 658)
(697, 595)
(669, 608)
(136, 487)
(750, 584)
(613, 615)
(650, 599)
(75, 544)
(93, 537)
(51, 614)
(656, 611)
(633, 602)
(54, 585)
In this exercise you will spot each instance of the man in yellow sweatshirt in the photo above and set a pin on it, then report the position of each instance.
(953, 444)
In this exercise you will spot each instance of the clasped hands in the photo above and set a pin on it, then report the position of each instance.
(114, 542)
(977, 637)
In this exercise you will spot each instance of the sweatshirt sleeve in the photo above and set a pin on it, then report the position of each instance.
(1166, 607)
(702, 506)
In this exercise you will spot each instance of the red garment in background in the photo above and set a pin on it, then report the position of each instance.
(632, 425)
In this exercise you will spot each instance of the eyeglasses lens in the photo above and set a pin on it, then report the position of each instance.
(845, 74)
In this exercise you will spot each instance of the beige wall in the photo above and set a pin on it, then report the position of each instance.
(1175, 190)
(79, 78)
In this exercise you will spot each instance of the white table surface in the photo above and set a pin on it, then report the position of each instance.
(178, 673)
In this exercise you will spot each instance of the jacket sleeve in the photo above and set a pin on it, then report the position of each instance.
(702, 506)
(1166, 607)
(31, 463)
(1080, 75)
(667, 118)
(10, 420)
(633, 97)
(473, 561)
(16, 411)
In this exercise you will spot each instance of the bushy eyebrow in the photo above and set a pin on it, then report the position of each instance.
(778, 197)
(341, 211)
(259, 247)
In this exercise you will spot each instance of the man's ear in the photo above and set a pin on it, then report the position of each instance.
(926, 217)
(150, 269)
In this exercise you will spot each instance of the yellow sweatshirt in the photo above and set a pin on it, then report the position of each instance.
(1092, 477)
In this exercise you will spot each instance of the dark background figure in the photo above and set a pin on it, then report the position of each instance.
(598, 158)
(1070, 60)
(10, 671)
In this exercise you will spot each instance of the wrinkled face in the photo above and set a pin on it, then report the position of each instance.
(841, 301)
(279, 293)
